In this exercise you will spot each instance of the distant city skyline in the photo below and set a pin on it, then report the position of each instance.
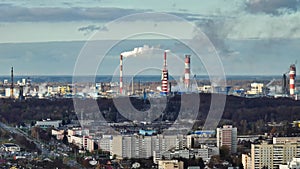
(253, 37)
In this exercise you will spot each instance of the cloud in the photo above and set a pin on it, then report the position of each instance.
(274, 7)
(261, 26)
(217, 30)
(91, 28)
(15, 13)
(12, 13)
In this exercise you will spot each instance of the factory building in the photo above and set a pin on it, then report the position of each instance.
(256, 89)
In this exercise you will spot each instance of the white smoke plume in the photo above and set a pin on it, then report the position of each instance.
(43, 88)
(146, 49)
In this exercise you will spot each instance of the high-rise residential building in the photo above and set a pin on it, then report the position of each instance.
(136, 146)
(227, 136)
(273, 155)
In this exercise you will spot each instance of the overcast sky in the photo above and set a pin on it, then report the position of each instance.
(251, 37)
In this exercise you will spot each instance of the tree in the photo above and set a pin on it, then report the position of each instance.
(225, 153)
(32, 123)
(241, 166)
(201, 163)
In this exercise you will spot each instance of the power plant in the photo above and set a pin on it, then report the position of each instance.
(286, 85)
(164, 77)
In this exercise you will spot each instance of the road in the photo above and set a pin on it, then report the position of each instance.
(44, 148)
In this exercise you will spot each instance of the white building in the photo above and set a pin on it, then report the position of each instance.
(293, 164)
(59, 134)
(105, 142)
(136, 146)
(15, 92)
(282, 140)
(85, 142)
(78, 131)
(48, 123)
(227, 136)
(170, 164)
(205, 89)
(256, 88)
(246, 161)
(10, 147)
(273, 155)
(206, 152)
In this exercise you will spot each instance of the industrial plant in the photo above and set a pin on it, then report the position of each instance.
(165, 87)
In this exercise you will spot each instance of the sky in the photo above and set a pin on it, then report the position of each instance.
(251, 37)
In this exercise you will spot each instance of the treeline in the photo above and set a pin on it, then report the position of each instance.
(250, 115)
(16, 112)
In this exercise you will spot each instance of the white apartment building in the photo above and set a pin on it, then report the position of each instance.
(136, 146)
(273, 155)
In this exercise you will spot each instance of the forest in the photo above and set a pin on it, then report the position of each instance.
(249, 115)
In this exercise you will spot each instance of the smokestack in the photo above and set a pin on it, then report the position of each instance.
(164, 77)
(187, 72)
(292, 79)
(284, 87)
(121, 74)
(132, 87)
(12, 83)
(21, 93)
(165, 60)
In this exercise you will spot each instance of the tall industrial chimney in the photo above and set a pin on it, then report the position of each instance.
(164, 77)
(187, 72)
(12, 83)
(21, 92)
(284, 87)
(121, 74)
(292, 79)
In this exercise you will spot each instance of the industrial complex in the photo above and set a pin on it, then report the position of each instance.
(24, 88)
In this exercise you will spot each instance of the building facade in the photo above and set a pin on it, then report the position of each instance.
(137, 146)
(227, 136)
(273, 155)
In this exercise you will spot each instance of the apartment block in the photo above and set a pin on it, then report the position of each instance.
(227, 136)
(273, 155)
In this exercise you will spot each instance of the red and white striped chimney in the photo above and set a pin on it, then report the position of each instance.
(187, 71)
(121, 74)
(164, 76)
(292, 79)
